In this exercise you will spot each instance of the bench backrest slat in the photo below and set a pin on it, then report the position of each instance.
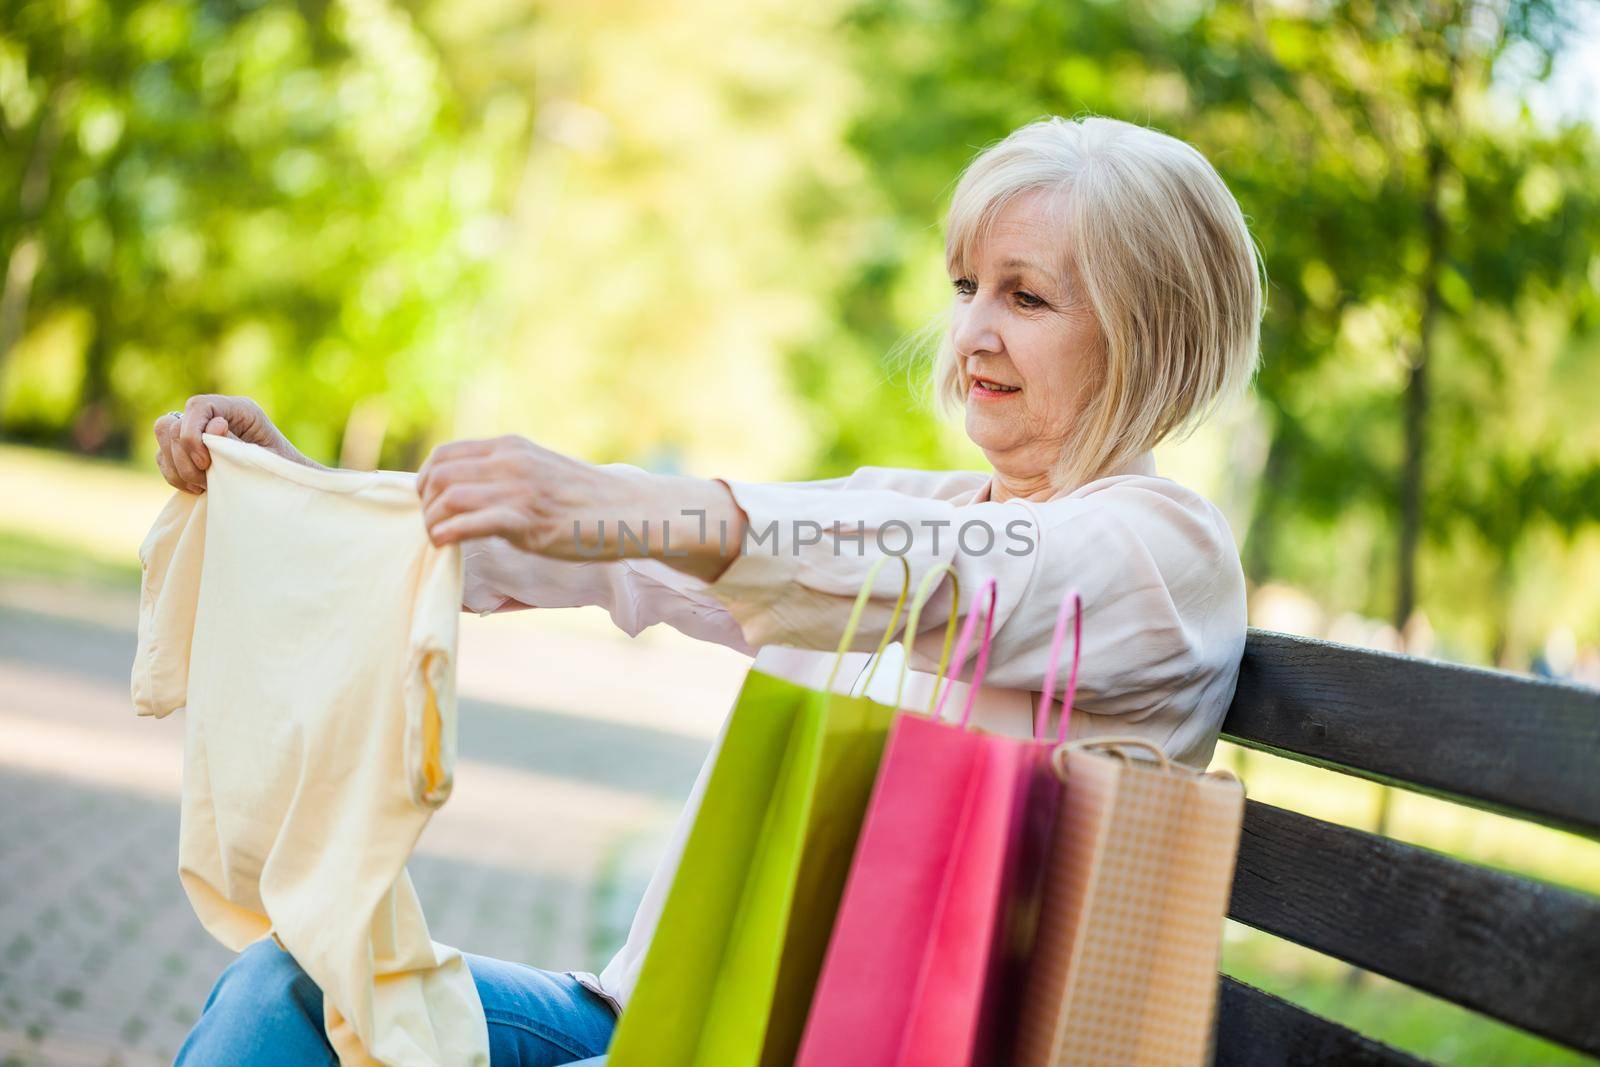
(1521, 951)
(1520, 746)
(1257, 1029)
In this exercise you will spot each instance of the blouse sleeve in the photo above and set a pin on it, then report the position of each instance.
(636, 592)
(1155, 563)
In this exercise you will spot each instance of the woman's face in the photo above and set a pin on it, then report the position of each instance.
(1027, 346)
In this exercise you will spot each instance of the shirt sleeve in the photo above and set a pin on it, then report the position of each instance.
(1155, 563)
(430, 680)
(171, 558)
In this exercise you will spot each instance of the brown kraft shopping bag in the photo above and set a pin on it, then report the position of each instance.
(1124, 968)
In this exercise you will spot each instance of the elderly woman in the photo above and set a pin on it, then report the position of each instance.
(1106, 294)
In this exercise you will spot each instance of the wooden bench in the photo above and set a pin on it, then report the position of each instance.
(1512, 948)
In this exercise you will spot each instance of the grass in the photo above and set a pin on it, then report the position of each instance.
(24, 555)
(96, 507)
(81, 521)
(1395, 1014)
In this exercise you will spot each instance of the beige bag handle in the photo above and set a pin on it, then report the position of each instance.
(1058, 757)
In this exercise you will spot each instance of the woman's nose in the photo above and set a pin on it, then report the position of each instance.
(974, 330)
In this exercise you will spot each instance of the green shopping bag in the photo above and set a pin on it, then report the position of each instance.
(731, 967)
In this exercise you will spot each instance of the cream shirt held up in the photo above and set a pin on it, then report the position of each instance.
(1155, 562)
(307, 626)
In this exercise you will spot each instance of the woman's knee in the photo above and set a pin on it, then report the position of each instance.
(264, 1009)
(538, 1017)
(267, 977)
(262, 1004)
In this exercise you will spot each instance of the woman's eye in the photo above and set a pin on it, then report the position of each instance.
(965, 286)
(1028, 300)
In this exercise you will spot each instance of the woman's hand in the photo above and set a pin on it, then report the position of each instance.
(183, 456)
(553, 505)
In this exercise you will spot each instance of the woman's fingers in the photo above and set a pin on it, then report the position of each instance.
(198, 415)
(194, 478)
(176, 467)
(470, 447)
(236, 416)
(498, 486)
(454, 497)
(164, 462)
(163, 430)
(183, 456)
(484, 522)
(452, 461)
(439, 474)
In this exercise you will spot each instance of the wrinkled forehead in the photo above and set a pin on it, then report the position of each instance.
(1028, 225)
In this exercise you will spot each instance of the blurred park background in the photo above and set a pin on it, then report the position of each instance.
(703, 236)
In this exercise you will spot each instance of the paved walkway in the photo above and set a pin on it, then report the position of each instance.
(539, 856)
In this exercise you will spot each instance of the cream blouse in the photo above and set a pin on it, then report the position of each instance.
(1156, 564)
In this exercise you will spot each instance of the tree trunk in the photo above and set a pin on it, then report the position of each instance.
(1416, 398)
(96, 429)
(1258, 542)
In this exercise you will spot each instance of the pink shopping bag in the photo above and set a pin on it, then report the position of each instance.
(926, 959)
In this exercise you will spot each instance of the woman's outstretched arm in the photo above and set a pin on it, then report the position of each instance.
(642, 546)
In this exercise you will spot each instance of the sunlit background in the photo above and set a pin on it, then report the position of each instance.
(704, 237)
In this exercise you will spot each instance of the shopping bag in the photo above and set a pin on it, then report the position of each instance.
(926, 961)
(1124, 969)
(733, 961)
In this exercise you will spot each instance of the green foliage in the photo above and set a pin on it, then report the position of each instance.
(272, 199)
(659, 266)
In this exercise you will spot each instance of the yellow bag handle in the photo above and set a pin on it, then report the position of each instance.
(860, 606)
(924, 591)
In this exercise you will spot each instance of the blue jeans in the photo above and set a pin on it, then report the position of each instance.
(266, 1012)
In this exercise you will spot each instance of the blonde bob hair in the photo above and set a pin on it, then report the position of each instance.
(1158, 249)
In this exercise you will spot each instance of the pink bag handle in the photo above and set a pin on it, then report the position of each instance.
(1074, 603)
(960, 655)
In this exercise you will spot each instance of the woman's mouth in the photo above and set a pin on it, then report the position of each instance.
(990, 389)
